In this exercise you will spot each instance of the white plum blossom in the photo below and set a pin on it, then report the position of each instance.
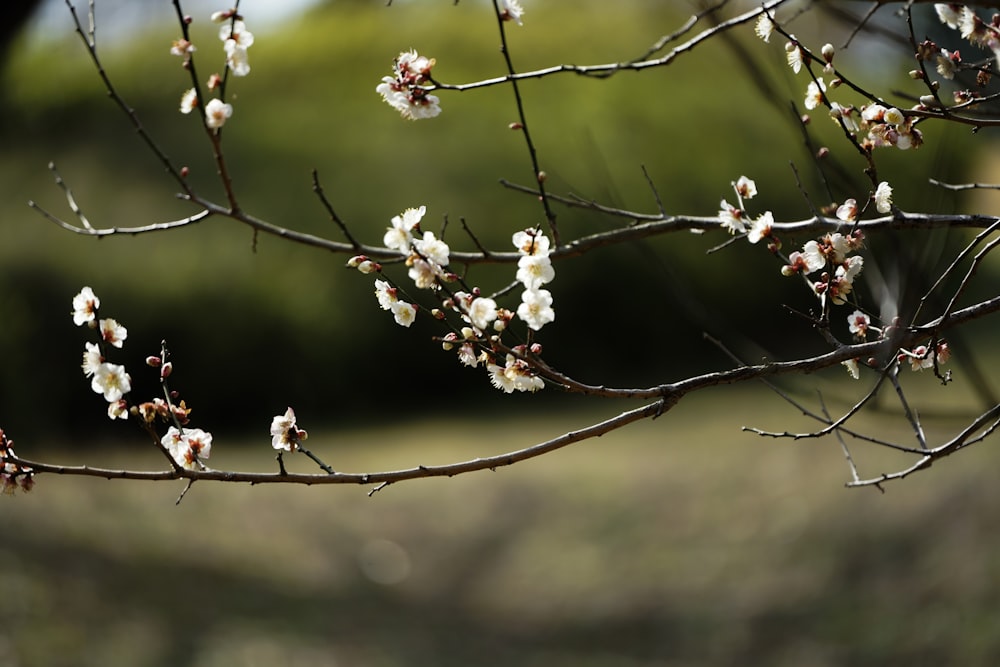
(432, 249)
(112, 381)
(764, 27)
(400, 236)
(893, 116)
(514, 375)
(814, 256)
(85, 305)
(404, 313)
(386, 294)
(118, 409)
(858, 324)
(285, 432)
(189, 100)
(424, 274)
(533, 271)
(745, 187)
(536, 308)
(92, 359)
(795, 56)
(467, 355)
(873, 113)
(531, 242)
(405, 91)
(761, 227)
(237, 59)
(482, 312)
(848, 211)
(948, 13)
(113, 333)
(187, 447)
(217, 113)
(852, 367)
(510, 10)
(236, 40)
(814, 93)
(883, 197)
(846, 114)
(731, 218)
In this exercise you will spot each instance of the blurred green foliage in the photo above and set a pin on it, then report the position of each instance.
(255, 324)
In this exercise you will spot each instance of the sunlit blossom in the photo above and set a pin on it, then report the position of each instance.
(404, 313)
(85, 305)
(536, 308)
(112, 381)
(745, 187)
(113, 333)
(432, 249)
(386, 294)
(731, 218)
(883, 197)
(92, 359)
(400, 235)
(510, 10)
(285, 432)
(761, 227)
(858, 323)
(814, 93)
(189, 100)
(948, 13)
(187, 447)
(848, 211)
(533, 271)
(764, 27)
(405, 91)
(795, 56)
(482, 312)
(531, 242)
(217, 113)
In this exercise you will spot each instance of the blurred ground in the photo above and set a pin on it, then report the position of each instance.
(676, 542)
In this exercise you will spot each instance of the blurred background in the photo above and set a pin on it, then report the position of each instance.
(691, 544)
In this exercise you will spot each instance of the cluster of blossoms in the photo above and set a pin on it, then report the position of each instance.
(408, 90)
(107, 379)
(236, 39)
(188, 447)
(831, 253)
(427, 259)
(405, 91)
(973, 29)
(735, 220)
(13, 476)
(921, 357)
(114, 383)
(873, 125)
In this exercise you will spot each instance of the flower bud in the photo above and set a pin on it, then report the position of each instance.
(828, 52)
(516, 126)
(167, 369)
(153, 361)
